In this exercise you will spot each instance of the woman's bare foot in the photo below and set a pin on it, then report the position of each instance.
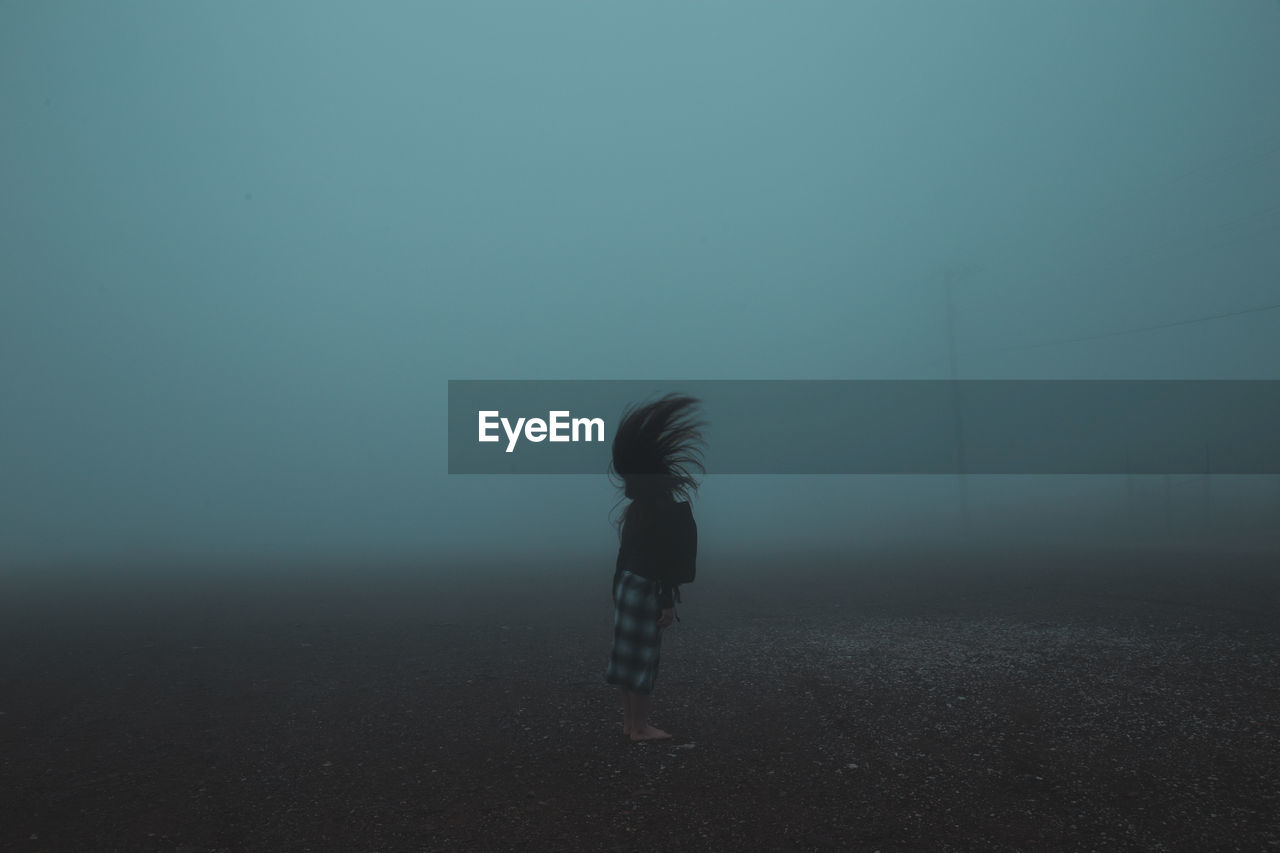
(649, 733)
(626, 729)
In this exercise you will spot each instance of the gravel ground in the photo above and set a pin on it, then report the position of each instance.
(1035, 702)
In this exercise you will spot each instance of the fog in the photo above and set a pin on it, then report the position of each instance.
(245, 245)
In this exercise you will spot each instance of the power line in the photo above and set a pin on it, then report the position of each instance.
(1216, 166)
(1135, 330)
(1264, 217)
(1211, 166)
(1260, 216)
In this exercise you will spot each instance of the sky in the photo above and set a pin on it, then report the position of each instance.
(245, 245)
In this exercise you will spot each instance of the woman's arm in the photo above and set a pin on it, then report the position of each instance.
(666, 595)
(685, 550)
(617, 575)
(680, 561)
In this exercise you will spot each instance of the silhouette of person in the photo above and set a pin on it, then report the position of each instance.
(654, 452)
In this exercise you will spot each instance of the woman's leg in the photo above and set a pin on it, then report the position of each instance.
(640, 728)
(628, 712)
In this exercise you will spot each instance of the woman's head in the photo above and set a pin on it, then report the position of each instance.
(655, 449)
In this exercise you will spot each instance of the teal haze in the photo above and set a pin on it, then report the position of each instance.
(245, 245)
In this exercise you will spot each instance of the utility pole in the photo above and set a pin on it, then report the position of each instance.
(1131, 505)
(1208, 491)
(949, 276)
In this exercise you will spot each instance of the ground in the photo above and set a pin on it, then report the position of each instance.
(1039, 700)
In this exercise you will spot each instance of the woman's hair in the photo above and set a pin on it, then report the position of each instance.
(655, 451)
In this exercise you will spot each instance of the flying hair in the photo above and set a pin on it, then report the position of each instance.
(656, 451)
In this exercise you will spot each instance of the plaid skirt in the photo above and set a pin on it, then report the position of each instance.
(637, 639)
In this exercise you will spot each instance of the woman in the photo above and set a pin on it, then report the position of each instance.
(653, 452)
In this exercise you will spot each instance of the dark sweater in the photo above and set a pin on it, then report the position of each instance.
(662, 548)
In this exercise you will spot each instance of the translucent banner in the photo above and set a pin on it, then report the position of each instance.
(883, 426)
